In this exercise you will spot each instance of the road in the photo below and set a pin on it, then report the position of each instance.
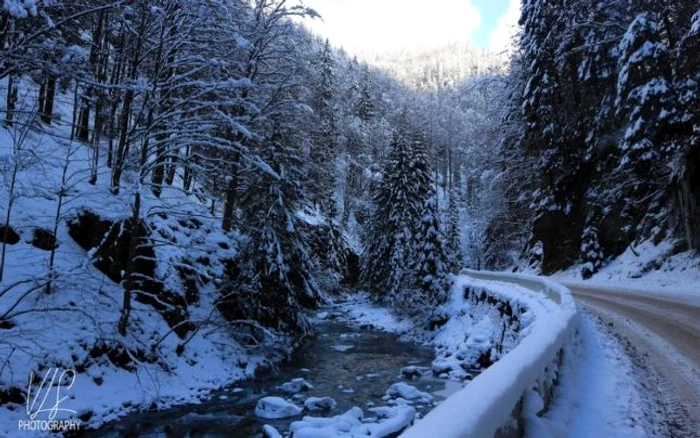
(662, 336)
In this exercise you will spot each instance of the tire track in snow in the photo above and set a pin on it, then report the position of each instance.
(662, 337)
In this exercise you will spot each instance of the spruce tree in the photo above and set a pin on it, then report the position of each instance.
(592, 255)
(324, 148)
(389, 236)
(276, 270)
(404, 222)
(430, 270)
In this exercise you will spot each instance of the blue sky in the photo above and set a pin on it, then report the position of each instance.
(491, 11)
(375, 26)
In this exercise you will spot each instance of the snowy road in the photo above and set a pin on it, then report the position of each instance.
(661, 335)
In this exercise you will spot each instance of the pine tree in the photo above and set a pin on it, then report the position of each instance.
(644, 93)
(325, 146)
(276, 274)
(430, 268)
(386, 257)
(592, 255)
(403, 222)
(364, 108)
(421, 182)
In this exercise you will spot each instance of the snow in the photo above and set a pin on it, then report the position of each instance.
(275, 408)
(295, 386)
(320, 404)
(21, 8)
(602, 389)
(486, 403)
(271, 432)
(360, 310)
(647, 267)
(392, 419)
(87, 303)
(408, 392)
(342, 348)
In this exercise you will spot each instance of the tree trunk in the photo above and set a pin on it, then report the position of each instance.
(170, 171)
(11, 100)
(187, 172)
(74, 122)
(158, 174)
(123, 147)
(10, 203)
(96, 136)
(49, 98)
(42, 98)
(688, 194)
(231, 192)
(129, 274)
(83, 133)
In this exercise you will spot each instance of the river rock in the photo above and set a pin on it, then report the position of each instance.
(395, 420)
(392, 420)
(320, 404)
(271, 432)
(273, 408)
(412, 372)
(408, 392)
(296, 385)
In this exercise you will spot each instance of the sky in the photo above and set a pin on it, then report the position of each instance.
(377, 26)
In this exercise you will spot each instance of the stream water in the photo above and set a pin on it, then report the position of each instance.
(353, 366)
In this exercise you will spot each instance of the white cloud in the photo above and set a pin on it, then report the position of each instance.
(375, 26)
(501, 37)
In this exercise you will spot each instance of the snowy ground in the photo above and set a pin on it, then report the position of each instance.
(362, 311)
(600, 391)
(648, 267)
(634, 381)
(70, 329)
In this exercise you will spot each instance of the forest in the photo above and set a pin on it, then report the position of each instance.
(182, 174)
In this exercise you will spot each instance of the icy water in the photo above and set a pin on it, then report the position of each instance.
(353, 366)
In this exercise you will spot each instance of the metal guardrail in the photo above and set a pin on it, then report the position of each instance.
(491, 403)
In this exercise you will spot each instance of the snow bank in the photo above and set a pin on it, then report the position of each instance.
(486, 404)
(363, 312)
(648, 267)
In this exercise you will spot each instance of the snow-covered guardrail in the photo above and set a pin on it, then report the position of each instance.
(492, 404)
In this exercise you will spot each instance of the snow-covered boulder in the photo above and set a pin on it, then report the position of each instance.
(412, 372)
(335, 427)
(395, 419)
(320, 404)
(449, 367)
(296, 385)
(392, 420)
(271, 432)
(408, 392)
(273, 408)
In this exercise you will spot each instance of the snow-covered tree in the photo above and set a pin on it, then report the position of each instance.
(325, 143)
(275, 278)
(430, 268)
(592, 256)
(388, 250)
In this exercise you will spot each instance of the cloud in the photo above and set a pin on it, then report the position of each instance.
(376, 26)
(501, 37)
